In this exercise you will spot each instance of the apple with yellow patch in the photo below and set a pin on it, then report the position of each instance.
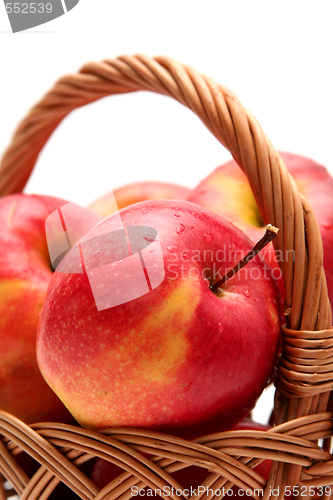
(25, 272)
(179, 355)
(136, 192)
(227, 192)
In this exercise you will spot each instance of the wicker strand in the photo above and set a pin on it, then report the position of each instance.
(230, 455)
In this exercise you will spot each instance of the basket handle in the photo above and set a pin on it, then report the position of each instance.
(278, 199)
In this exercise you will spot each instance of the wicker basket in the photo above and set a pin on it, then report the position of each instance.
(304, 375)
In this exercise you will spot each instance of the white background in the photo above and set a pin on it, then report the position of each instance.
(276, 56)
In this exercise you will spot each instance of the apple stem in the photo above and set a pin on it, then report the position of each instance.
(269, 235)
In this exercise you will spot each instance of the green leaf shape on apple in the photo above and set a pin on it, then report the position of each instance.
(178, 356)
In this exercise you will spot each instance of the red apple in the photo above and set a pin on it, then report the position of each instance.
(226, 191)
(104, 472)
(136, 192)
(25, 272)
(179, 355)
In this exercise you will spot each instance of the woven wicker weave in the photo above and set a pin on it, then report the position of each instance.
(304, 375)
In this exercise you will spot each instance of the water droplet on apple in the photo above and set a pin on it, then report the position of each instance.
(186, 255)
(326, 225)
(195, 214)
(150, 239)
(144, 212)
(177, 215)
(247, 293)
(208, 324)
(171, 249)
(257, 300)
(208, 237)
(219, 327)
(180, 229)
(153, 250)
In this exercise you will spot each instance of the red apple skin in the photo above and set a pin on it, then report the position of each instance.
(177, 357)
(25, 272)
(136, 192)
(104, 472)
(226, 191)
